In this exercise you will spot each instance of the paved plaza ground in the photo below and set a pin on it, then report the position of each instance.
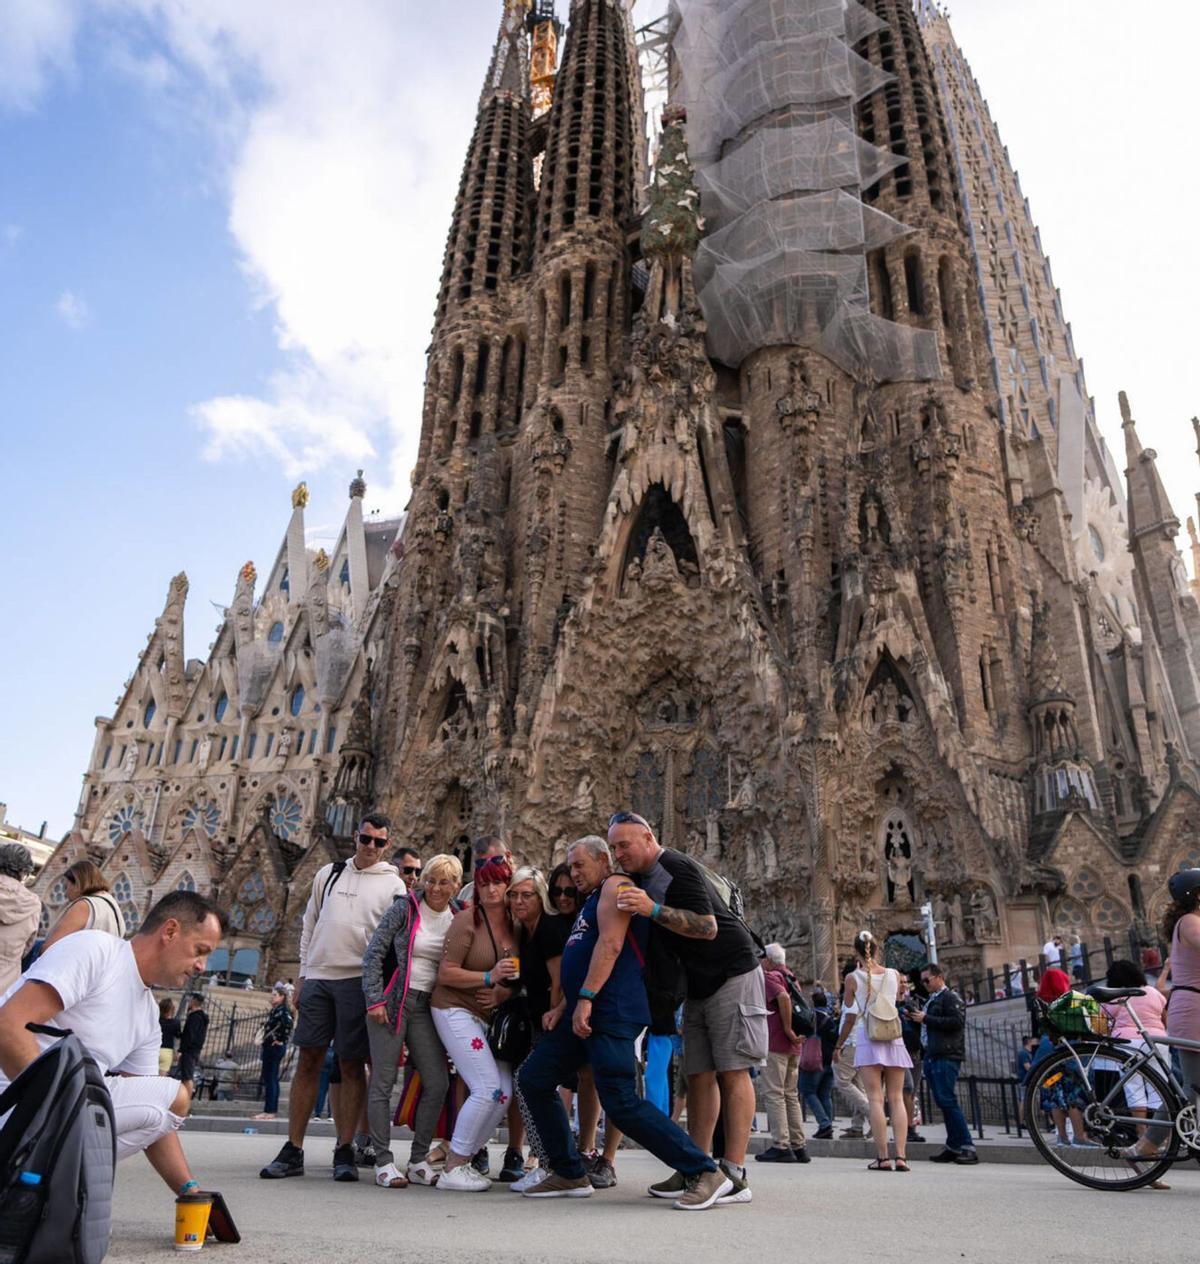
(831, 1210)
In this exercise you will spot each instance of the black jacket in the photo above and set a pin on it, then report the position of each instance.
(195, 1029)
(946, 1023)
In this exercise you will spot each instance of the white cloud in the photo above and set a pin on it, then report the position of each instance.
(72, 310)
(36, 41)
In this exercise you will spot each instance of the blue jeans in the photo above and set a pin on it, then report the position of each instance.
(614, 1066)
(942, 1076)
(816, 1091)
(272, 1056)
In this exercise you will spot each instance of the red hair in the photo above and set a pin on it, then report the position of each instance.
(1055, 983)
(494, 871)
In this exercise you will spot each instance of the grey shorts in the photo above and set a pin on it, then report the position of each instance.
(333, 1010)
(728, 1030)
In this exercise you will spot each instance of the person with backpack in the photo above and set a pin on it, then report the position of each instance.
(347, 902)
(99, 988)
(400, 969)
(785, 1045)
(699, 948)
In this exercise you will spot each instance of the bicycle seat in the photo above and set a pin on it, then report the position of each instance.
(1106, 995)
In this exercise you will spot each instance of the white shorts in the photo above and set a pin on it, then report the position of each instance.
(142, 1108)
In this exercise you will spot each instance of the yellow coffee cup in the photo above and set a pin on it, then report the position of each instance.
(191, 1221)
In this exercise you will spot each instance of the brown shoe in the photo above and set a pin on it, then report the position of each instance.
(555, 1186)
(703, 1191)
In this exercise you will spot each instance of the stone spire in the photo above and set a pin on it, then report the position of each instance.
(489, 234)
(297, 550)
(1149, 507)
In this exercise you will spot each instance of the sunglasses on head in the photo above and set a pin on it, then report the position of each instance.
(628, 818)
(369, 840)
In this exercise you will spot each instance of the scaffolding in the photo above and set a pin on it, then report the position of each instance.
(770, 88)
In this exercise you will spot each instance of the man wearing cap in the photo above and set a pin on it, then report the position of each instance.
(20, 911)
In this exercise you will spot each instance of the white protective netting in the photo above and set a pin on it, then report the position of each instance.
(770, 88)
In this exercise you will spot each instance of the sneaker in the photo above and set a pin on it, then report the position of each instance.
(801, 1154)
(554, 1186)
(530, 1178)
(288, 1162)
(702, 1191)
(390, 1177)
(364, 1156)
(671, 1188)
(514, 1165)
(775, 1154)
(852, 1134)
(464, 1179)
(423, 1173)
(913, 1135)
(481, 1163)
(741, 1191)
(344, 1166)
(944, 1156)
(602, 1174)
(823, 1134)
(966, 1157)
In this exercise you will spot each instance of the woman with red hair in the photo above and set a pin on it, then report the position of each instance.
(476, 965)
(1067, 1096)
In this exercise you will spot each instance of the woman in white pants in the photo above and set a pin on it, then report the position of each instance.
(478, 958)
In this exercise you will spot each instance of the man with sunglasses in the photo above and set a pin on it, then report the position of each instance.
(410, 866)
(693, 934)
(347, 903)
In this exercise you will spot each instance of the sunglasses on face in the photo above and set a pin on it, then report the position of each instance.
(568, 893)
(411, 870)
(369, 840)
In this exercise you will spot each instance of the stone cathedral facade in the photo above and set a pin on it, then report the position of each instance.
(831, 580)
(758, 490)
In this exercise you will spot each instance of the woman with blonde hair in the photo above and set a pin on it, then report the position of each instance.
(398, 1014)
(879, 1053)
(92, 906)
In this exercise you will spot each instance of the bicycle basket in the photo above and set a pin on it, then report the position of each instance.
(1076, 1014)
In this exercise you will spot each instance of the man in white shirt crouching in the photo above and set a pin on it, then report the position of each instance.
(99, 987)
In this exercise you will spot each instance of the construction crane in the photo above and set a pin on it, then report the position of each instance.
(545, 30)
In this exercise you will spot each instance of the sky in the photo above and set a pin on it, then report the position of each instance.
(221, 231)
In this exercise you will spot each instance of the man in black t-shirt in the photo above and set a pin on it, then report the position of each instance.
(725, 1014)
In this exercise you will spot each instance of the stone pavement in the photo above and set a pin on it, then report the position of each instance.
(831, 1210)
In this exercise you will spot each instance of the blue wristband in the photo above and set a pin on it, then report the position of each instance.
(487, 978)
(187, 1187)
(654, 912)
(586, 994)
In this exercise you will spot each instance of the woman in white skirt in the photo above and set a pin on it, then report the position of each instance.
(870, 999)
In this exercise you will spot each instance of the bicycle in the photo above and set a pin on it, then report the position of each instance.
(1092, 1072)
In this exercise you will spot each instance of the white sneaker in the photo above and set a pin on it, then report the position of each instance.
(530, 1178)
(390, 1177)
(423, 1173)
(464, 1179)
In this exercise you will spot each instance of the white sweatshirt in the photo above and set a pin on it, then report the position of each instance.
(338, 926)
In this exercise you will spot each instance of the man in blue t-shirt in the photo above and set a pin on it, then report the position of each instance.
(605, 1012)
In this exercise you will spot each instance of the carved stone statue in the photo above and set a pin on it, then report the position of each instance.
(130, 762)
(983, 913)
(712, 836)
(899, 869)
(585, 799)
(954, 918)
(205, 753)
(745, 799)
(284, 749)
(658, 566)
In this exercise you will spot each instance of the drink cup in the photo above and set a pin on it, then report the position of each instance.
(515, 958)
(191, 1221)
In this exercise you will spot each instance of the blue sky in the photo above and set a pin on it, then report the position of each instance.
(221, 227)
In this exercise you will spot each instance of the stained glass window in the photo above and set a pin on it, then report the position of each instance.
(275, 635)
(263, 919)
(237, 918)
(148, 714)
(57, 894)
(647, 790)
(1111, 915)
(297, 703)
(1086, 885)
(202, 816)
(124, 821)
(704, 791)
(1070, 915)
(219, 710)
(252, 889)
(185, 882)
(286, 814)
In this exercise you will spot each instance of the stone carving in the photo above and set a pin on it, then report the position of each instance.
(585, 798)
(300, 496)
(984, 922)
(204, 754)
(130, 762)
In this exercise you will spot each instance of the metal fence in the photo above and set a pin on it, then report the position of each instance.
(1086, 963)
(237, 1036)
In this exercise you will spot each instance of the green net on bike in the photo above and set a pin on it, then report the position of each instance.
(1076, 1014)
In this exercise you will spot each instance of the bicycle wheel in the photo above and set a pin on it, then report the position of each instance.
(1088, 1080)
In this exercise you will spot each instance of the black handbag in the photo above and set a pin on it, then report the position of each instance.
(510, 1029)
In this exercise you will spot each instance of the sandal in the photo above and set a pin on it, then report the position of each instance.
(390, 1177)
(902, 1165)
(880, 1165)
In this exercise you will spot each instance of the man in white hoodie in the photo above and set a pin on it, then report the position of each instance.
(348, 901)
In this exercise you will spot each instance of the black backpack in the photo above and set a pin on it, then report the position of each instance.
(58, 1153)
(804, 1019)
